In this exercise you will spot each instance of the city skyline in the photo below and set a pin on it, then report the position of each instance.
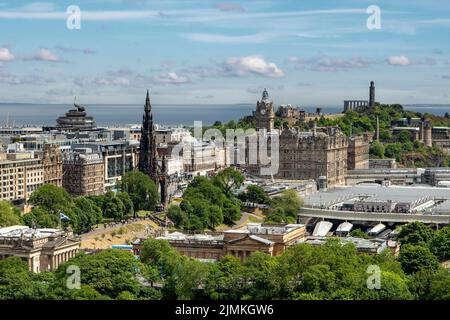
(216, 52)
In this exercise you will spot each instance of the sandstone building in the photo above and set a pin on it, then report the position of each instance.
(20, 175)
(42, 249)
(240, 243)
(84, 173)
(320, 152)
(52, 163)
(358, 151)
(310, 155)
(264, 114)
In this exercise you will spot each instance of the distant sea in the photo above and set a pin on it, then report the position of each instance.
(122, 114)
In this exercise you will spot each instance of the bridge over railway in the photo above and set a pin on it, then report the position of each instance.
(374, 216)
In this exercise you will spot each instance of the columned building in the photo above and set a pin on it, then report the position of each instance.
(272, 239)
(362, 105)
(42, 249)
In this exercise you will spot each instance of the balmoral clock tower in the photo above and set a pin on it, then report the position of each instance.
(264, 114)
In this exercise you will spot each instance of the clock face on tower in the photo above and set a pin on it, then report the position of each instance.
(263, 111)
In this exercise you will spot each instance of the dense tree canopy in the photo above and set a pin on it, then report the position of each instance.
(332, 271)
(439, 243)
(9, 215)
(50, 201)
(284, 208)
(414, 258)
(415, 233)
(141, 189)
(209, 202)
(255, 194)
(50, 197)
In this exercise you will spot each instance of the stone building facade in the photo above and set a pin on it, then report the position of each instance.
(42, 249)
(265, 113)
(119, 157)
(268, 238)
(52, 163)
(20, 175)
(310, 155)
(358, 151)
(84, 173)
(303, 155)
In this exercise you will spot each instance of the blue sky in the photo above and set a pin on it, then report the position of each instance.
(203, 51)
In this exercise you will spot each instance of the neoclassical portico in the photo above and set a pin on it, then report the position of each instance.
(42, 249)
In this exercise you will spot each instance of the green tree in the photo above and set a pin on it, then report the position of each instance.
(393, 287)
(414, 258)
(229, 180)
(439, 243)
(358, 233)
(125, 295)
(141, 189)
(41, 218)
(415, 233)
(255, 194)
(88, 214)
(110, 273)
(50, 198)
(18, 283)
(430, 285)
(404, 136)
(9, 215)
(377, 149)
(287, 204)
(126, 200)
(225, 280)
(113, 207)
(178, 216)
(206, 205)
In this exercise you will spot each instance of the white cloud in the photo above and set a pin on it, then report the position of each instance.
(6, 55)
(252, 65)
(398, 60)
(170, 78)
(46, 55)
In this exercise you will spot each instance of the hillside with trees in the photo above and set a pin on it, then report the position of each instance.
(400, 147)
